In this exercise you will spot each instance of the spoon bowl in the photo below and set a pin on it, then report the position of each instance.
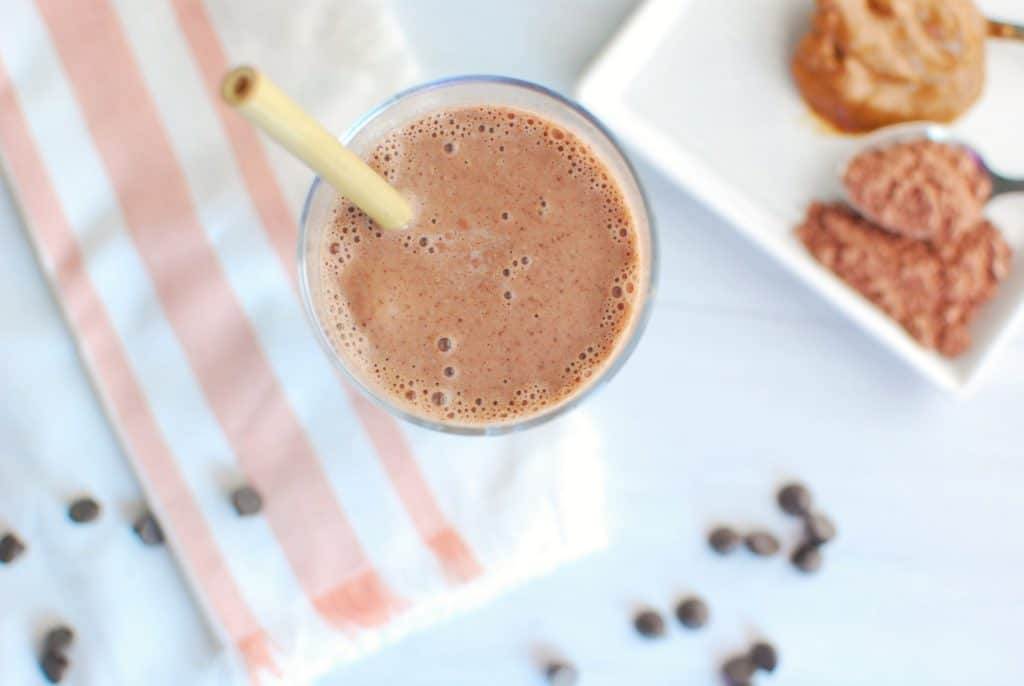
(938, 133)
(927, 196)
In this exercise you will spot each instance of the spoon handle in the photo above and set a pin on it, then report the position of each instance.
(1002, 185)
(1002, 29)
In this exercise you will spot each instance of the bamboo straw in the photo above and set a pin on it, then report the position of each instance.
(266, 106)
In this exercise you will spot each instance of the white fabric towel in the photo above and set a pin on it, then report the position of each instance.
(166, 228)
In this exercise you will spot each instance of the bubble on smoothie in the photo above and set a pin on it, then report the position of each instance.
(444, 344)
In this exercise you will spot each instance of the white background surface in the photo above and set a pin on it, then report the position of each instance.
(744, 378)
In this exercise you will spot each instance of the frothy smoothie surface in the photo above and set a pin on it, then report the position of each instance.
(511, 289)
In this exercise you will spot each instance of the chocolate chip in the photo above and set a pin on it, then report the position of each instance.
(54, 665)
(561, 674)
(723, 540)
(737, 671)
(692, 613)
(147, 528)
(819, 528)
(11, 548)
(807, 558)
(84, 510)
(764, 657)
(762, 543)
(247, 501)
(58, 639)
(795, 499)
(649, 624)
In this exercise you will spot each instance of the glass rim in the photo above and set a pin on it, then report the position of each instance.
(605, 375)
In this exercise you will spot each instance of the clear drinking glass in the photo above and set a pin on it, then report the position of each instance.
(365, 134)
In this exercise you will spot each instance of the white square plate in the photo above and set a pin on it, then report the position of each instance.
(702, 88)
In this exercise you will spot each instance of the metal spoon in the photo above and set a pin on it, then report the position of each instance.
(1003, 29)
(905, 133)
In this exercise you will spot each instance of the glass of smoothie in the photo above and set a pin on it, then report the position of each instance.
(522, 283)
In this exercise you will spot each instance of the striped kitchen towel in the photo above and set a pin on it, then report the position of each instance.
(168, 230)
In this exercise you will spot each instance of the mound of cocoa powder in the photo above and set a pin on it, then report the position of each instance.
(934, 289)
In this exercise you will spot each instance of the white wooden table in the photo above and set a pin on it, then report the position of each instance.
(744, 379)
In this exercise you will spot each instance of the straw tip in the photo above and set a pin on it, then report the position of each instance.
(238, 85)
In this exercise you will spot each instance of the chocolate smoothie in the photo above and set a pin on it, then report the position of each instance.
(515, 285)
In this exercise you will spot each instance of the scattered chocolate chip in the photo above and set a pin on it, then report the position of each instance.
(649, 624)
(795, 499)
(247, 501)
(11, 548)
(819, 528)
(561, 674)
(723, 540)
(54, 665)
(737, 671)
(807, 558)
(84, 510)
(58, 639)
(764, 657)
(147, 528)
(762, 543)
(692, 613)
